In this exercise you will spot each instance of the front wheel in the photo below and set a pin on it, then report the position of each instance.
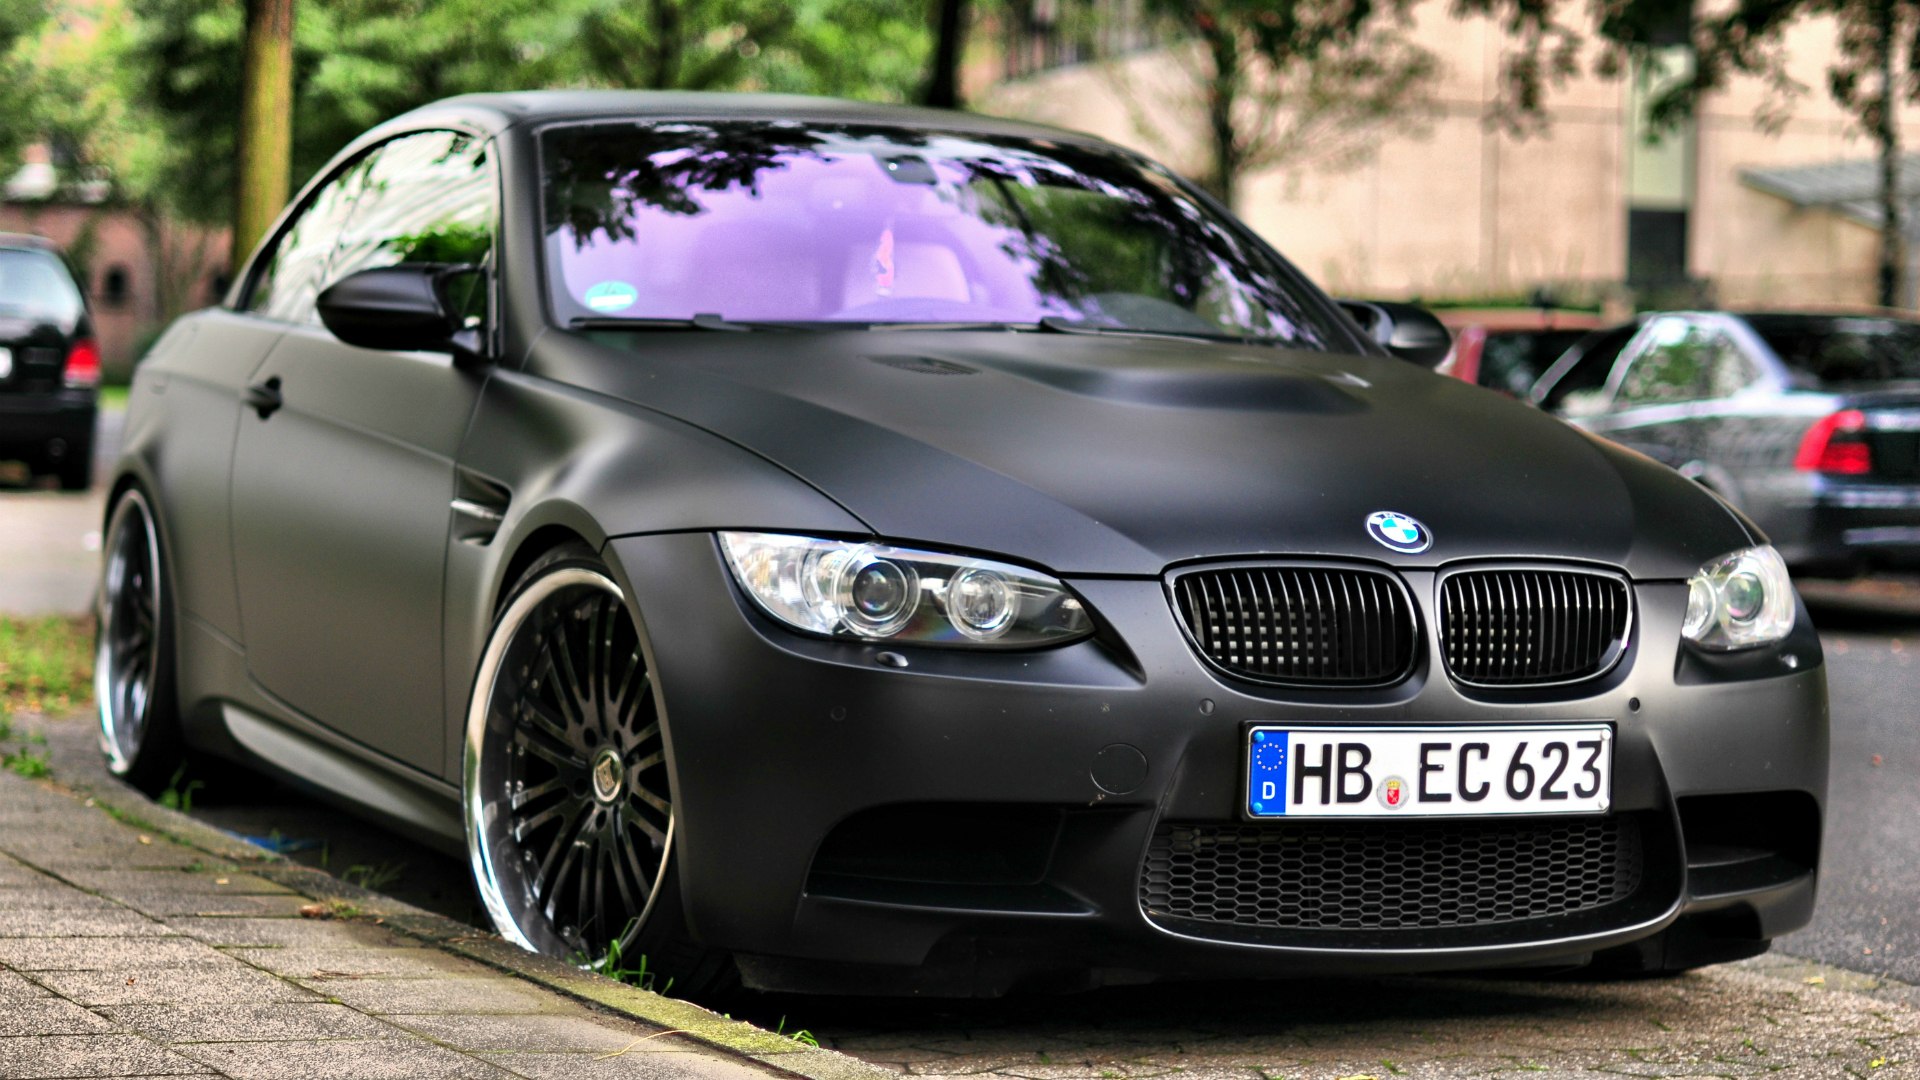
(133, 650)
(569, 813)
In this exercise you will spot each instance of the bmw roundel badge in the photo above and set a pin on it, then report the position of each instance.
(1399, 532)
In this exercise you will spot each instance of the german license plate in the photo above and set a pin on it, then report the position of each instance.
(1428, 771)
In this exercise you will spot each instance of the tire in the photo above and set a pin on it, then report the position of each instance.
(133, 673)
(569, 811)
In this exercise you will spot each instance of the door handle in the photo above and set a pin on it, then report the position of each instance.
(264, 397)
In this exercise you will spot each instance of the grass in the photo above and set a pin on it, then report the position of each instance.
(113, 397)
(375, 878)
(46, 663)
(614, 967)
(179, 796)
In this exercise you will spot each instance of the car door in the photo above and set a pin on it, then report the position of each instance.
(1656, 390)
(343, 476)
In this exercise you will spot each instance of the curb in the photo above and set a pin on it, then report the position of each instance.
(735, 1038)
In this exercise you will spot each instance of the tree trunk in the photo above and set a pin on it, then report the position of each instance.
(1223, 96)
(1886, 133)
(265, 148)
(943, 78)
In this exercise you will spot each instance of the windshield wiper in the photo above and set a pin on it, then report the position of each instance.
(1058, 325)
(702, 321)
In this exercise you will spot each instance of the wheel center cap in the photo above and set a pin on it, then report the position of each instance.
(608, 776)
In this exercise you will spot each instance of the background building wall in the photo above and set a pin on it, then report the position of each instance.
(1465, 209)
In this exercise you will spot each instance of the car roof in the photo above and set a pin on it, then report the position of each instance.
(1510, 319)
(26, 240)
(499, 111)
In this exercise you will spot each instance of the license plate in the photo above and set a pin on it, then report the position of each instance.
(1428, 771)
(6, 363)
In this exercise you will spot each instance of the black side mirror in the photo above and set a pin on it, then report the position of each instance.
(399, 308)
(1407, 331)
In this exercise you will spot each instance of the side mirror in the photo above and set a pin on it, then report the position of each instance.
(400, 308)
(1407, 331)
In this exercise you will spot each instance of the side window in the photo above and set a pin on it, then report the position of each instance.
(429, 198)
(295, 272)
(1729, 371)
(1671, 368)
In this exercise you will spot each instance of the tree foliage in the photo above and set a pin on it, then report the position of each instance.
(1293, 82)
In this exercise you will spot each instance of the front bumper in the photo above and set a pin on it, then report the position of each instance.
(776, 740)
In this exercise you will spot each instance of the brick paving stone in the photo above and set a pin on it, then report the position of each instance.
(631, 1066)
(242, 932)
(220, 981)
(247, 1022)
(162, 903)
(50, 1016)
(573, 1032)
(65, 1056)
(17, 987)
(195, 882)
(419, 996)
(102, 954)
(332, 963)
(116, 922)
(372, 1059)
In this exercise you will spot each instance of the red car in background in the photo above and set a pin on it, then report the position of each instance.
(1507, 349)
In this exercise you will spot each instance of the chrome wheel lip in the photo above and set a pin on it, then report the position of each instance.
(475, 803)
(115, 735)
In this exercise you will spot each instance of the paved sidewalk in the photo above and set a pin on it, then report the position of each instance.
(125, 954)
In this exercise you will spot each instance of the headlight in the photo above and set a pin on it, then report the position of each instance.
(1740, 600)
(843, 588)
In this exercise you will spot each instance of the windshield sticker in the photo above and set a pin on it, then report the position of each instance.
(612, 296)
(883, 264)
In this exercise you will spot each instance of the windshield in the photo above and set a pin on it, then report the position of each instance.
(765, 222)
(35, 285)
(1829, 351)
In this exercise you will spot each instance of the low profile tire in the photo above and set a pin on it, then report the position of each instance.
(133, 669)
(569, 812)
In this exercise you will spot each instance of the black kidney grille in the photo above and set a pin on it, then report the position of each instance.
(1300, 624)
(1389, 876)
(1514, 627)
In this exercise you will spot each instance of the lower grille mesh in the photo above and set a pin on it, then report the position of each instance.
(1390, 876)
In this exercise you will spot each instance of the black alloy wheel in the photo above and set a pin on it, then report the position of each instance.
(568, 807)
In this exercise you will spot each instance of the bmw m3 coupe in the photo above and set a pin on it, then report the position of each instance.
(834, 546)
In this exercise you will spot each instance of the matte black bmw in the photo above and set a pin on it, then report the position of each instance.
(879, 549)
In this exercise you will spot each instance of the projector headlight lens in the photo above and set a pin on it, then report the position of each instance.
(878, 592)
(1740, 600)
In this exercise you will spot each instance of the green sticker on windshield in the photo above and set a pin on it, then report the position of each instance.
(612, 296)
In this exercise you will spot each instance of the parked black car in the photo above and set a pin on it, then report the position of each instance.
(896, 550)
(49, 364)
(1809, 423)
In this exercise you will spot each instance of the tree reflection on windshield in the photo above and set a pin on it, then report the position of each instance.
(848, 223)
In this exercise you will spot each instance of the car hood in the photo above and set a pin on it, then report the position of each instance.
(1109, 454)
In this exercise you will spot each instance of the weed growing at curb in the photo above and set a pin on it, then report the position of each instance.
(177, 797)
(800, 1036)
(613, 967)
(374, 878)
(29, 764)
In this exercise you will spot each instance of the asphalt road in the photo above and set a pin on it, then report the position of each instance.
(1868, 917)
